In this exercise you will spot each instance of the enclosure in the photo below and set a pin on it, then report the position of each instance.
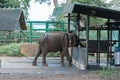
(95, 46)
(21, 66)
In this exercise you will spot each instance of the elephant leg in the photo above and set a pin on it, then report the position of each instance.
(68, 59)
(34, 63)
(62, 59)
(44, 63)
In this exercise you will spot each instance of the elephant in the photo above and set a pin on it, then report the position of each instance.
(56, 41)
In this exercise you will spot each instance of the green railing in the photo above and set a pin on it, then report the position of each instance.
(47, 28)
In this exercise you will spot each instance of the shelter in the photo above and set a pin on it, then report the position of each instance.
(97, 12)
(12, 19)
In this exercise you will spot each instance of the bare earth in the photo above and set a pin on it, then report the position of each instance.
(20, 68)
(84, 76)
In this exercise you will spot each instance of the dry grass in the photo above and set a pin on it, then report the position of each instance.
(28, 50)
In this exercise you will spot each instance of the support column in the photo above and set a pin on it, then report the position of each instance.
(78, 23)
(119, 38)
(68, 22)
(87, 35)
(98, 53)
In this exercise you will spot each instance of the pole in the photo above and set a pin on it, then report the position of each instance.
(30, 35)
(78, 23)
(68, 22)
(87, 35)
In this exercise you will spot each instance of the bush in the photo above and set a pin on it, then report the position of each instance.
(11, 50)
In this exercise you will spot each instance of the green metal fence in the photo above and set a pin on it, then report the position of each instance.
(47, 25)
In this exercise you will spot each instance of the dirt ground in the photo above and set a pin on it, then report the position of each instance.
(85, 76)
(20, 68)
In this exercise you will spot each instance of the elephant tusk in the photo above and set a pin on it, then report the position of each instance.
(70, 44)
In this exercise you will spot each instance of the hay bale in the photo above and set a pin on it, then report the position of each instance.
(29, 50)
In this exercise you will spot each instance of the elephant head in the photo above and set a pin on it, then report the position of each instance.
(73, 40)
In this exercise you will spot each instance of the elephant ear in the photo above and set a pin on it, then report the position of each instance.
(65, 40)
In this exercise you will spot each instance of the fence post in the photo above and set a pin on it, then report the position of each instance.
(30, 35)
(62, 26)
(47, 26)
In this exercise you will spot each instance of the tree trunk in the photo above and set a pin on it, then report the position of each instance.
(55, 2)
(68, 1)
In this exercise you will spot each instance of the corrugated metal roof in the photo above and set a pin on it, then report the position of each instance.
(12, 19)
(88, 10)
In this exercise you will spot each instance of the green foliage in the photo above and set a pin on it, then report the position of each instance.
(23, 4)
(97, 21)
(13, 49)
(10, 50)
(53, 54)
(10, 3)
(13, 36)
(115, 4)
(99, 3)
(107, 72)
(44, 1)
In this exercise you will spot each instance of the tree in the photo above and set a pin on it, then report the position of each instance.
(44, 1)
(54, 1)
(9, 3)
(115, 4)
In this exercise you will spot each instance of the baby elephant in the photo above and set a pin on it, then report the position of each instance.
(53, 42)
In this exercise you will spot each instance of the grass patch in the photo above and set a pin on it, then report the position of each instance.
(53, 54)
(10, 50)
(20, 49)
(108, 73)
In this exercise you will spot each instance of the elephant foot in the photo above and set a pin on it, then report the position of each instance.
(70, 65)
(62, 65)
(34, 64)
(45, 64)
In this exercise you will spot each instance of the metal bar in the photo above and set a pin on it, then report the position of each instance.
(69, 22)
(30, 34)
(98, 52)
(87, 35)
(44, 22)
(108, 55)
(78, 23)
(63, 27)
(110, 51)
(108, 61)
(119, 38)
(47, 26)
